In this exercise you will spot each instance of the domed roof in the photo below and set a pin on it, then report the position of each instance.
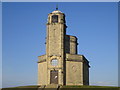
(56, 11)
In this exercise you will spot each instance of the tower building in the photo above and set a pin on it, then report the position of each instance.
(61, 64)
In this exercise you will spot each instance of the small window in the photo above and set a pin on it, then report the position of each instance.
(55, 18)
(54, 62)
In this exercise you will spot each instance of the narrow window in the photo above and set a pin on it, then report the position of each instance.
(55, 19)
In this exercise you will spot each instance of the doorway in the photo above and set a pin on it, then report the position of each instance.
(54, 77)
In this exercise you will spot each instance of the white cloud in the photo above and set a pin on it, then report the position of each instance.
(102, 83)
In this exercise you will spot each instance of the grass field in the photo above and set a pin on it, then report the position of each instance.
(65, 88)
(89, 86)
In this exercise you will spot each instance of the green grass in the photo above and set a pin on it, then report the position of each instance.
(68, 87)
(71, 87)
(32, 87)
(79, 86)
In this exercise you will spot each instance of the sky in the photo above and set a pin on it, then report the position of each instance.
(23, 39)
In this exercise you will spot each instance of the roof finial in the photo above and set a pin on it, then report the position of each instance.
(57, 7)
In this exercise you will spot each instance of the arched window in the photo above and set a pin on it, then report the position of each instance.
(55, 19)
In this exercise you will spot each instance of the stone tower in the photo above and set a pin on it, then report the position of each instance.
(61, 64)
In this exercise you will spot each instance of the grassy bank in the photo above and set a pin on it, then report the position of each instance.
(72, 86)
(65, 88)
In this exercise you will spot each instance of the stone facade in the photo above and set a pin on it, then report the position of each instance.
(61, 64)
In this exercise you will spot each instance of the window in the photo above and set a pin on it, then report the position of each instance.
(55, 18)
(54, 62)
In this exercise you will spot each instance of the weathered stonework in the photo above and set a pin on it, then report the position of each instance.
(61, 64)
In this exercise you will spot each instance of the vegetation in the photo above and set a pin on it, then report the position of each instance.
(35, 87)
(78, 86)
(89, 88)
